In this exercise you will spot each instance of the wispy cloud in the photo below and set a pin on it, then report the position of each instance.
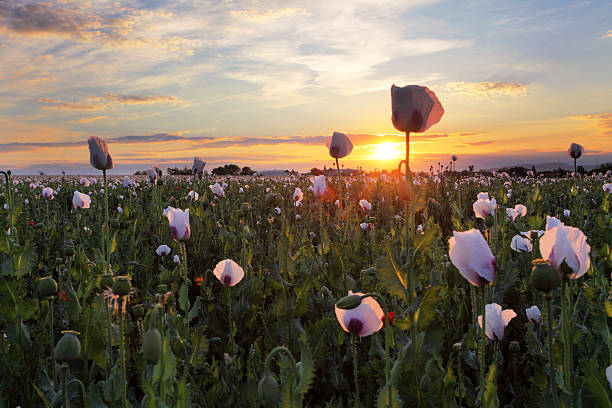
(59, 104)
(487, 88)
(602, 120)
(101, 102)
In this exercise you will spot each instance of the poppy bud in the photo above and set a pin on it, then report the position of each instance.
(106, 281)
(122, 285)
(543, 276)
(138, 310)
(68, 251)
(349, 302)
(152, 345)
(47, 287)
(268, 390)
(68, 348)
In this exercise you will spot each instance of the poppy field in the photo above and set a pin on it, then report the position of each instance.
(249, 291)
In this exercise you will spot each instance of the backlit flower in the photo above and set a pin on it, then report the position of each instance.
(179, 223)
(228, 272)
(98, 154)
(414, 108)
(471, 255)
(566, 244)
(533, 314)
(80, 200)
(363, 320)
(497, 320)
(340, 146)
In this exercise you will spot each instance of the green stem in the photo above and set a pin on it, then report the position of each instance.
(551, 362)
(64, 386)
(355, 373)
(565, 330)
(122, 351)
(52, 341)
(340, 186)
(483, 339)
(82, 388)
(106, 226)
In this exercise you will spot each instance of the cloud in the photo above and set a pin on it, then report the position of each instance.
(601, 120)
(266, 16)
(101, 102)
(89, 119)
(139, 99)
(51, 103)
(608, 34)
(110, 24)
(486, 88)
(46, 18)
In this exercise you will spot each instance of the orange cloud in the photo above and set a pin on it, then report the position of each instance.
(487, 88)
(602, 121)
(138, 99)
(51, 103)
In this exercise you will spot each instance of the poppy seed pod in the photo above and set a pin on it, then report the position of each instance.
(414, 108)
(106, 281)
(543, 276)
(122, 285)
(152, 345)
(47, 287)
(575, 151)
(98, 154)
(268, 390)
(138, 310)
(68, 348)
(349, 302)
(340, 146)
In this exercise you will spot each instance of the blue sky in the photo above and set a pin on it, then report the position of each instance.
(265, 83)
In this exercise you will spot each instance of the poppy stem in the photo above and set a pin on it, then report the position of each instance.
(122, 351)
(483, 340)
(566, 337)
(52, 340)
(340, 187)
(355, 373)
(106, 226)
(551, 362)
(64, 384)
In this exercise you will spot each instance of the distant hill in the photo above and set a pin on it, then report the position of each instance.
(551, 166)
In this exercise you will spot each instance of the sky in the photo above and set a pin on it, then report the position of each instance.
(265, 83)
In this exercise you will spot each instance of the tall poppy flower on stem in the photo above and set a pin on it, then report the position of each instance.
(545, 279)
(568, 252)
(471, 255)
(414, 108)
(102, 160)
(361, 315)
(229, 274)
(339, 147)
(575, 151)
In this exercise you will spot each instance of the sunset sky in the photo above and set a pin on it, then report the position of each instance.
(265, 83)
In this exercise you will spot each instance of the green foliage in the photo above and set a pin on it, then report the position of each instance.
(215, 338)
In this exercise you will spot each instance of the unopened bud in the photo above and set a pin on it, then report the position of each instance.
(268, 390)
(349, 302)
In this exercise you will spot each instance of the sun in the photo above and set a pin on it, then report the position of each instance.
(387, 151)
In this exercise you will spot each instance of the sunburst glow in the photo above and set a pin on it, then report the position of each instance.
(387, 151)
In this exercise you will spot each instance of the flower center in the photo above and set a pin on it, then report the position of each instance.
(227, 279)
(355, 326)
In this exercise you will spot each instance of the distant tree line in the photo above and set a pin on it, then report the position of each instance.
(232, 170)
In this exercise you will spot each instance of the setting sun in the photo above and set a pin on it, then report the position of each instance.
(388, 151)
